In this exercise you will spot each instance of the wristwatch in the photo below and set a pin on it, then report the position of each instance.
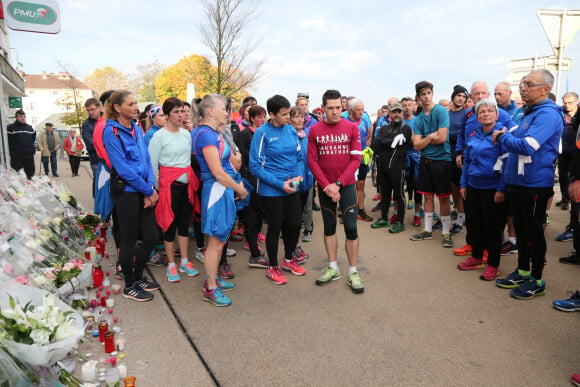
(338, 183)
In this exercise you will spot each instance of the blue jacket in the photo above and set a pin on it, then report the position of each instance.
(471, 124)
(129, 156)
(275, 156)
(514, 112)
(308, 181)
(481, 155)
(533, 146)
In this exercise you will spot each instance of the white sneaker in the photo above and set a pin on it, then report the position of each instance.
(200, 254)
(231, 252)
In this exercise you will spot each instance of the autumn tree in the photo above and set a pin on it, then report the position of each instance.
(72, 99)
(144, 81)
(172, 82)
(223, 31)
(106, 78)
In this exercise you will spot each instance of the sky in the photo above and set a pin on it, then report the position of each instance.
(369, 49)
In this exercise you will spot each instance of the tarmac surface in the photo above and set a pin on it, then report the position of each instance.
(420, 322)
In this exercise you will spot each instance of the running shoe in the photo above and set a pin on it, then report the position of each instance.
(225, 271)
(416, 221)
(438, 225)
(567, 235)
(571, 304)
(512, 281)
(435, 216)
(137, 294)
(393, 219)
(119, 273)
(191, 233)
(377, 197)
(299, 255)
(200, 253)
(456, 229)
(145, 284)
(216, 297)
(397, 228)
(157, 259)
(410, 205)
(380, 223)
(463, 251)
(471, 263)
(293, 267)
(355, 283)
(276, 275)
(423, 235)
(224, 285)
(377, 208)
(447, 241)
(231, 252)
(453, 215)
(529, 289)
(571, 260)
(362, 215)
(235, 237)
(189, 269)
(307, 237)
(508, 248)
(173, 275)
(261, 238)
(489, 273)
(422, 213)
(329, 275)
(261, 262)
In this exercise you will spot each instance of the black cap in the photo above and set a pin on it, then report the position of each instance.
(459, 89)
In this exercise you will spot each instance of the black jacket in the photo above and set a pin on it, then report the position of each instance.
(21, 139)
(388, 157)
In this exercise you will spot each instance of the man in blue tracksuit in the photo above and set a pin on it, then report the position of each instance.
(503, 94)
(529, 174)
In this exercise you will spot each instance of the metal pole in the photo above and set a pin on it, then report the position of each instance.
(560, 57)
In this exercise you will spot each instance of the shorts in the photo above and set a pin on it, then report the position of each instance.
(363, 170)
(434, 177)
(455, 173)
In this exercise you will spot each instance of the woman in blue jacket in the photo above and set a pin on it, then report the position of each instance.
(132, 191)
(276, 161)
(483, 189)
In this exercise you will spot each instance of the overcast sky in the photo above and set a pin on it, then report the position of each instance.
(373, 50)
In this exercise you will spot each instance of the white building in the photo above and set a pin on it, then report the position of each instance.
(50, 93)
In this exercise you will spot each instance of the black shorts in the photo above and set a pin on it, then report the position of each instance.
(455, 173)
(434, 177)
(363, 170)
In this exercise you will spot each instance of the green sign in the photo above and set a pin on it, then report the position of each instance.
(34, 13)
(15, 102)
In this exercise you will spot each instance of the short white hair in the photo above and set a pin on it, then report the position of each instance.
(489, 102)
(353, 102)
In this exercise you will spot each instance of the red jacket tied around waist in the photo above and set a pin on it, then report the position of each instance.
(167, 175)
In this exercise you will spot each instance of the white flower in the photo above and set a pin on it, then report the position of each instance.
(57, 221)
(40, 336)
(40, 280)
(31, 245)
(63, 331)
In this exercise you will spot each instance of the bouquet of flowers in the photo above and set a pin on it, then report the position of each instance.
(42, 331)
(88, 223)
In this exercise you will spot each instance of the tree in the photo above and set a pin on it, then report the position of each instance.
(145, 81)
(72, 100)
(172, 82)
(106, 78)
(226, 21)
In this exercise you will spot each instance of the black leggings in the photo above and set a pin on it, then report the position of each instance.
(529, 212)
(392, 180)
(199, 237)
(75, 162)
(564, 163)
(182, 210)
(486, 229)
(283, 215)
(252, 217)
(134, 220)
(349, 208)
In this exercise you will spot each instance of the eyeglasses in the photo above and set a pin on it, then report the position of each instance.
(529, 85)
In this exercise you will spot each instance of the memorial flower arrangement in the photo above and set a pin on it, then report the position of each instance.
(88, 223)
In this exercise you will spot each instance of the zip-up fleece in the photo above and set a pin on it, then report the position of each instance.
(381, 145)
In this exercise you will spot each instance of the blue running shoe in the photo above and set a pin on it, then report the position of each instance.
(224, 285)
(189, 269)
(216, 297)
(512, 281)
(571, 304)
(567, 235)
(529, 289)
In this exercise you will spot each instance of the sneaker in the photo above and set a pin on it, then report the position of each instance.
(216, 297)
(529, 289)
(225, 271)
(397, 228)
(438, 225)
(189, 269)
(509, 248)
(435, 216)
(416, 221)
(235, 237)
(293, 267)
(410, 205)
(307, 236)
(567, 235)
(571, 304)
(463, 251)
(355, 283)
(145, 284)
(571, 260)
(157, 259)
(377, 208)
(261, 238)
(224, 285)
(380, 223)
(422, 213)
(393, 219)
(377, 197)
(276, 275)
(172, 275)
(423, 235)
(191, 233)
(329, 275)
(453, 215)
(456, 229)
(362, 215)
(575, 378)
(119, 273)
(231, 252)
(199, 255)
(137, 294)
(512, 281)
(471, 263)
(299, 255)
(261, 262)
(490, 273)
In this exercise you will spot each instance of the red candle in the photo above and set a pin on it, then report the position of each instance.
(103, 301)
(103, 328)
(109, 342)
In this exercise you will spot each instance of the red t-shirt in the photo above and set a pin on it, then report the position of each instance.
(98, 140)
(334, 152)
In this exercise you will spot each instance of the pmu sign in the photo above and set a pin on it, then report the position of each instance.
(34, 16)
